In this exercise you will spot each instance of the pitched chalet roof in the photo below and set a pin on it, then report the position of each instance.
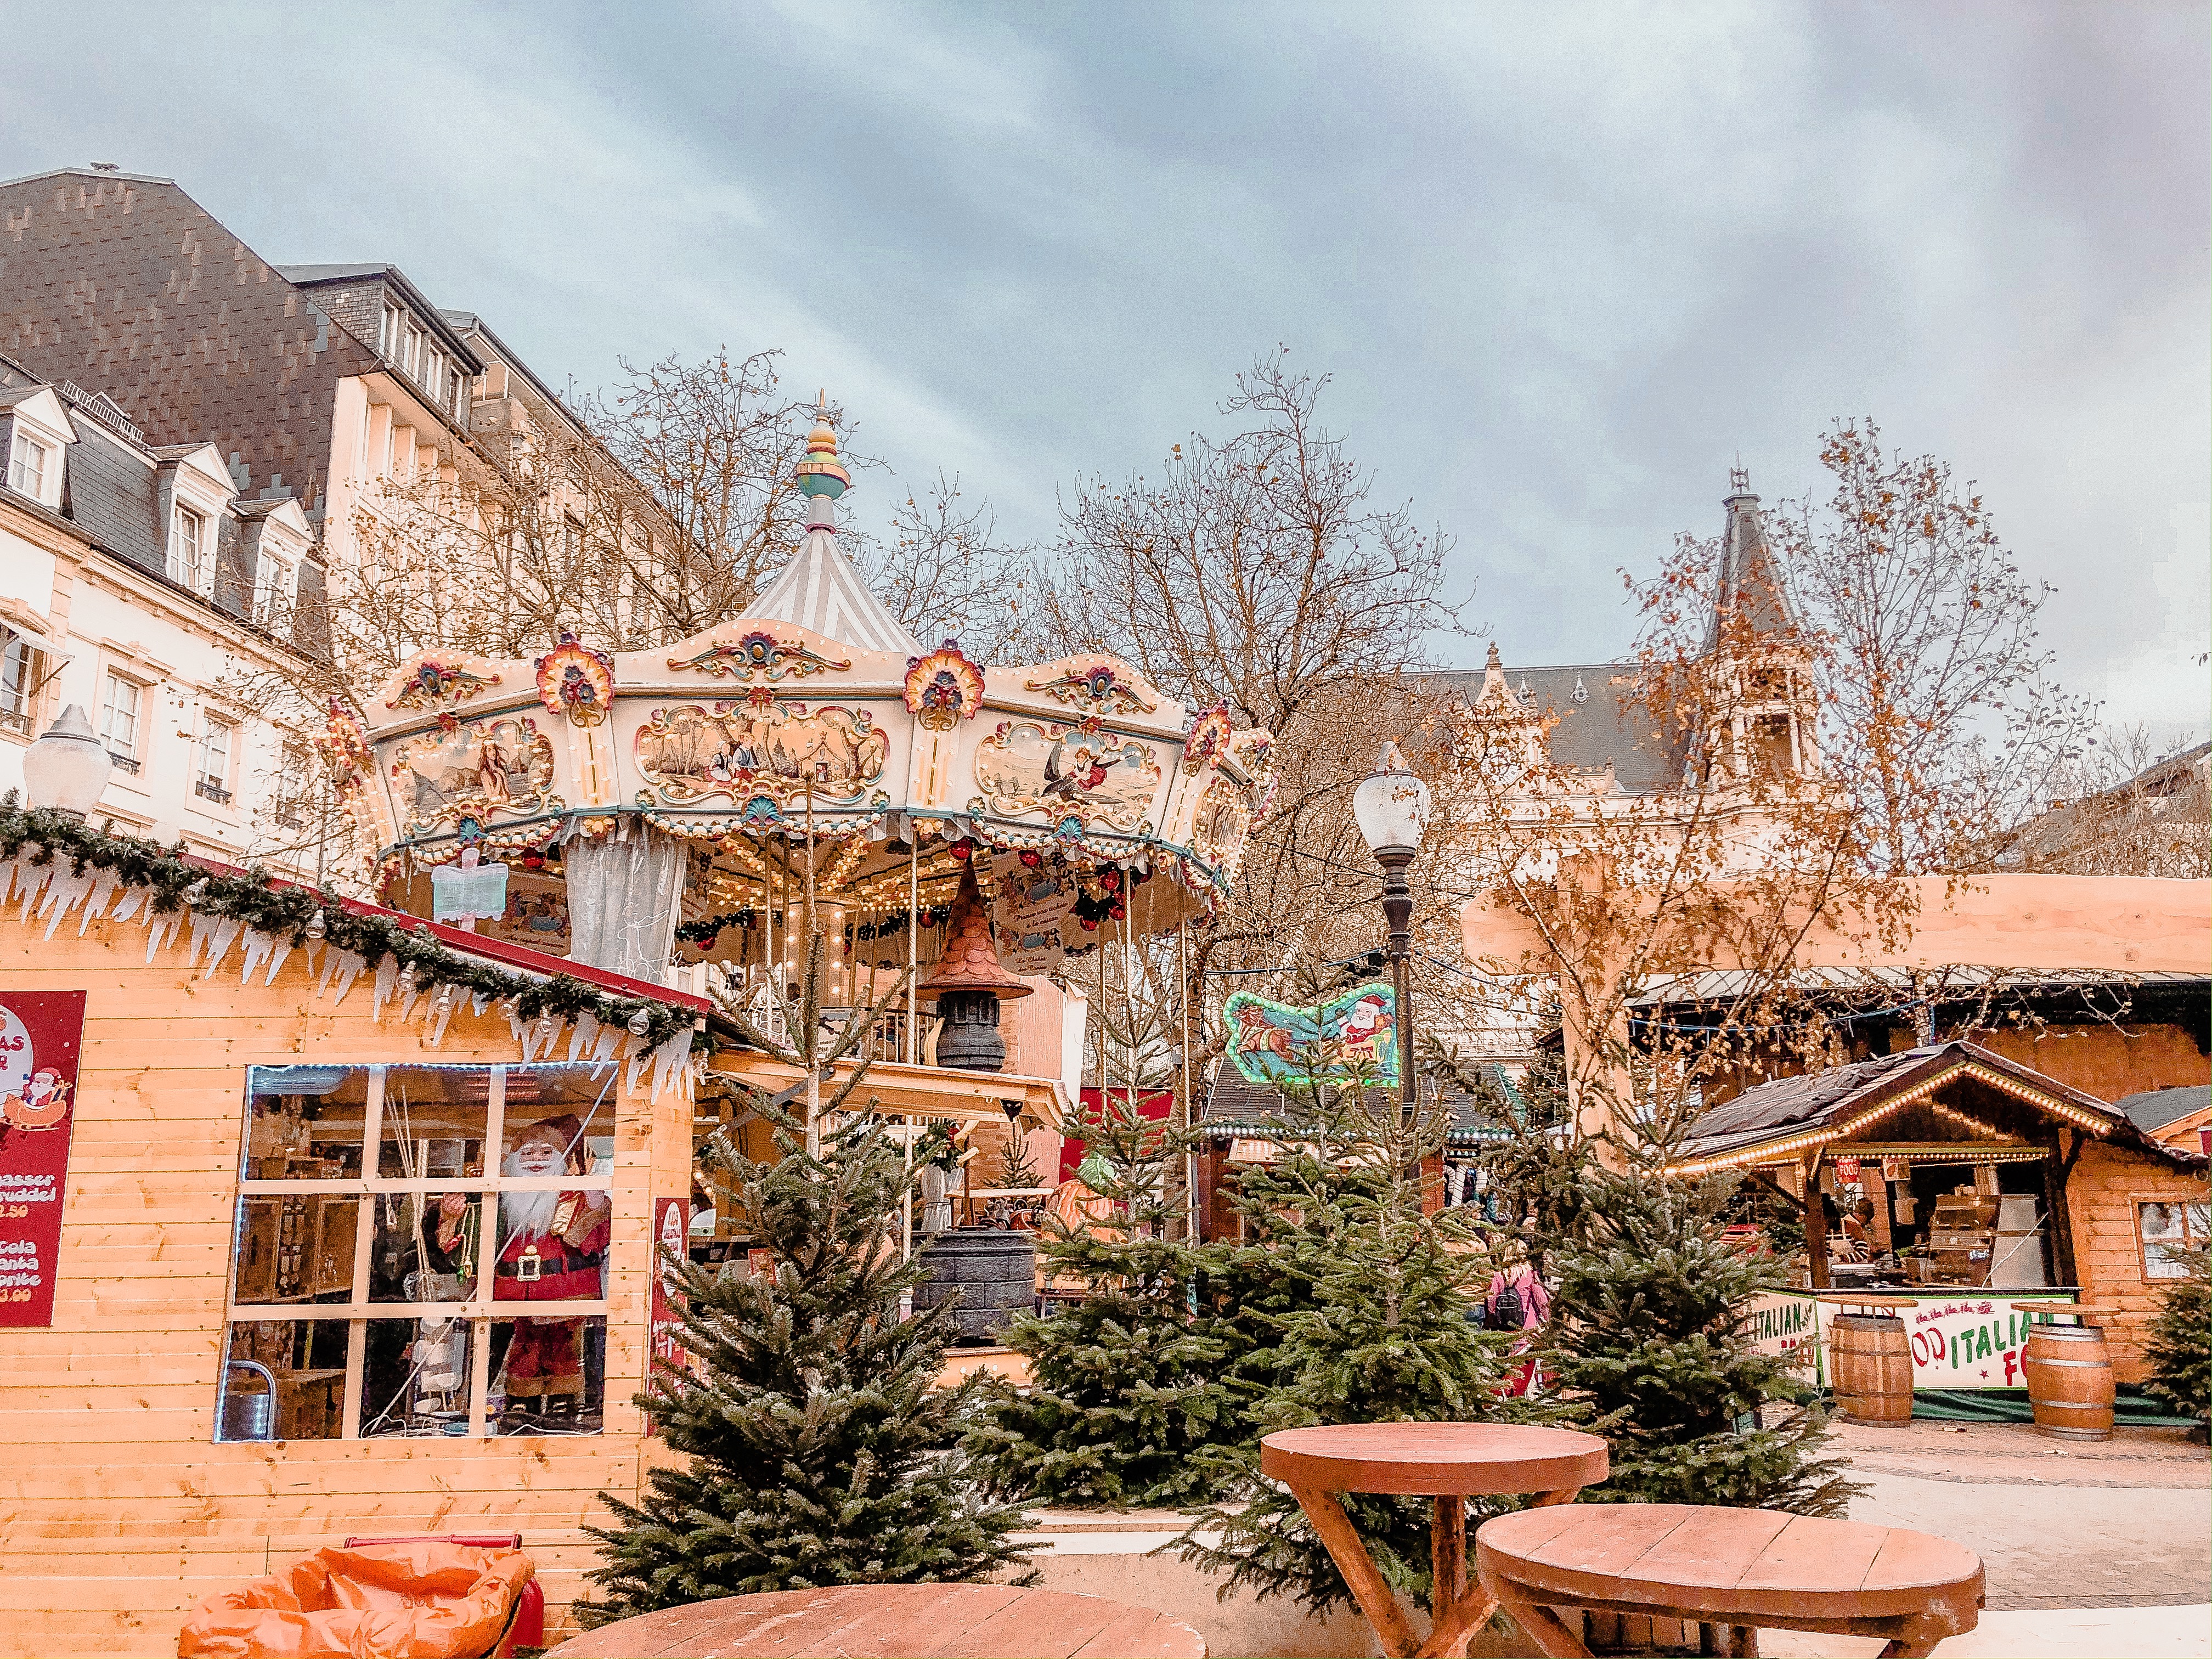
(1791, 1108)
(1238, 1108)
(2156, 1108)
(819, 590)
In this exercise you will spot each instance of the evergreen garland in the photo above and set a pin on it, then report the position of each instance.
(2179, 1351)
(261, 900)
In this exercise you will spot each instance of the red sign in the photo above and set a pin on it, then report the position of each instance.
(671, 1231)
(1847, 1169)
(41, 1035)
(1155, 1105)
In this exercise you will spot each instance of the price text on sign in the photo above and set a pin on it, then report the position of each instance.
(41, 1033)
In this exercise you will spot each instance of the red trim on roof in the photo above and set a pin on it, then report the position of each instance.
(520, 957)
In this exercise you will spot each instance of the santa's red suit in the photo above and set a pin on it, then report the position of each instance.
(560, 1264)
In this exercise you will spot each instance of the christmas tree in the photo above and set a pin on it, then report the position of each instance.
(1343, 1304)
(2180, 1352)
(816, 1449)
(1121, 1398)
(1651, 1301)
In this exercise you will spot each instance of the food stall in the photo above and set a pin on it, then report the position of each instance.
(1962, 1179)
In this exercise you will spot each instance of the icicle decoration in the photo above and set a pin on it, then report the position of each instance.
(256, 952)
(352, 965)
(387, 976)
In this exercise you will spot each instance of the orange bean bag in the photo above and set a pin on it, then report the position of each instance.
(414, 1600)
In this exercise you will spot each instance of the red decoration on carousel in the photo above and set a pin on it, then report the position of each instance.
(1208, 740)
(575, 680)
(963, 849)
(943, 688)
(1032, 859)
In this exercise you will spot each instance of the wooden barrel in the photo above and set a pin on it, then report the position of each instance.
(1870, 1368)
(2069, 1381)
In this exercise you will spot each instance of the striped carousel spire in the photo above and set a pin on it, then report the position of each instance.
(819, 589)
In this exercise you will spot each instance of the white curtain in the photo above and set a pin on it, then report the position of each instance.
(622, 894)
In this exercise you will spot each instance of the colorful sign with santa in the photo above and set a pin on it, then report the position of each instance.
(1276, 1042)
(41, 1033)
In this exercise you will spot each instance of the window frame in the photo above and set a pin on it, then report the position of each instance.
(32, 456)
(480, 1312)
(114, 677)
(2196, 1230)
(204, 782)
(198, 574)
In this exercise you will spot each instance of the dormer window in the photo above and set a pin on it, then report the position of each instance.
(29, 463)
(192, 553)
(272, 586)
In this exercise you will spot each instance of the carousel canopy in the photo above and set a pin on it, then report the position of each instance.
(815, 717)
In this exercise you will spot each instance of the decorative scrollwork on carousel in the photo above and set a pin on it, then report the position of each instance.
(431, 684)
(763, 748)
(575, 680)
(1210, 732)
(490, 770)
(944, 688)
(344, 745)
(760, 653)
(1101, 684)
(1222, 822)
(1077, 773)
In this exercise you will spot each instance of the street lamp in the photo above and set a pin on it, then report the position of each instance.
(66, 769)
(1392, 807)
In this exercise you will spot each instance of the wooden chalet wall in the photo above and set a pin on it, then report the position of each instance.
(2101, 1194)
(117, 1508)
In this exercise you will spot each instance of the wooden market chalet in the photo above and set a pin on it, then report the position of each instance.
(290, 1169)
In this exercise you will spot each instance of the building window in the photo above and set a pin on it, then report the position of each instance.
(2165, 1226)
(28, 461)
(19, 680)
(412, 362)
(394, 1224)
(272, 586)
(392, 332)
(433, 376)
(118, 718)
(211, 777)
(191, 559)
(294, 782)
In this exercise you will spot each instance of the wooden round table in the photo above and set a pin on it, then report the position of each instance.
(1450, 1462)
(1737, 1569)
(895, 1621)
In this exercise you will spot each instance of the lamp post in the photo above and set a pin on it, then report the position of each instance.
(66, 769)
(1392, 807)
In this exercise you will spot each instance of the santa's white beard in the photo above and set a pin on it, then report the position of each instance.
(527, 1214)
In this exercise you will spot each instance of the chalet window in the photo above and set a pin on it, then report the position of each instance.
(393, 1223)
(211, 776)
(19, 680)
(28, 461)
(191, 556)
(2164, 1225)
(118, 718)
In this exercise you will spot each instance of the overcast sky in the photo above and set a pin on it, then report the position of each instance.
(1564, 263)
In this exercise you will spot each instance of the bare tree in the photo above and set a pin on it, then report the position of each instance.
(945, 574)
(1940, 713)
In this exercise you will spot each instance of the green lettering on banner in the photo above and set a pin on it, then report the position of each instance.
(1983, 1350)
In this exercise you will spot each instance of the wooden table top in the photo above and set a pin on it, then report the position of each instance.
(1743, 1566)
(1435, 1459)
(896, 1621)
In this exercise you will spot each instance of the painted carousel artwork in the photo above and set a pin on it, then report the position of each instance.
(488, 771)
(812, 739)
(1078, 770)
(782, 751)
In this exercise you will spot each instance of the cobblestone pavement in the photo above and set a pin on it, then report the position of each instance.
(2123, 1523)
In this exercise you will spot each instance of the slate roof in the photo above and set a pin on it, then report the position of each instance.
(1599, 715)
(1751, 580)
(1790, 1106)
(2156, 1108)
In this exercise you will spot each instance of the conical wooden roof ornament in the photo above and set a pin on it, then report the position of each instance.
(971, 962)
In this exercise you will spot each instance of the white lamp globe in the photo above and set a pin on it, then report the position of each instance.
(66, 769)
(1391, 804)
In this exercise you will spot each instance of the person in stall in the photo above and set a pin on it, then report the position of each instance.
(554, 1247)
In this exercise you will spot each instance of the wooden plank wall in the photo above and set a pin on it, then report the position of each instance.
(116, 1511)
(2101, 1195)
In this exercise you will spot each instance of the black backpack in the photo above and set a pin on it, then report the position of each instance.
(1509, 1313)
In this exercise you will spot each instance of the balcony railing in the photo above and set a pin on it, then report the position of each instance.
(123, 763)
(16, 720)
(208, 789)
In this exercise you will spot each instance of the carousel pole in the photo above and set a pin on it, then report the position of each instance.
(1182, 1054)
(913, 939)
(813, 985)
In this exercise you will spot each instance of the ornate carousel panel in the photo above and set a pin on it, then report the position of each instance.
(494, 771)
(1067, 771)
(739, 751)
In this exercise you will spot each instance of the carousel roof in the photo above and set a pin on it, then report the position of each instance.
(820, 592)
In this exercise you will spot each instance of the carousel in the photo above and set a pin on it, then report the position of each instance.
(690, 814)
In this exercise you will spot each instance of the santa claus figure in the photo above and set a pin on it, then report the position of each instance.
(1364, 1029)
(553, 1244)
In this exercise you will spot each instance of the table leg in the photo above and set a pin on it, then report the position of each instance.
(1459, 1609)
(1341, 1539)
(1544, 1627)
